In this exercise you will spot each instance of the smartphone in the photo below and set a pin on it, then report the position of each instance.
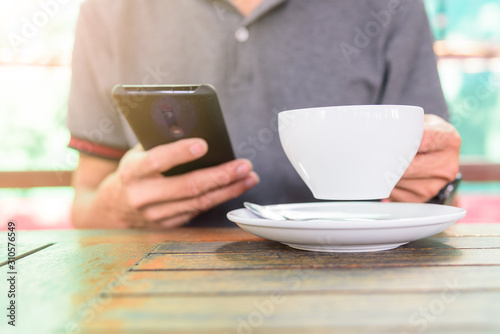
(163, 114)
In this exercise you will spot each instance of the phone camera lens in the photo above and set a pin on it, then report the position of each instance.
(168, 113)
(165, 107)
(176, 131)
(169, 116)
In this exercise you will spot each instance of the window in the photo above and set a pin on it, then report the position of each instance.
(468, 42)
(36, 39)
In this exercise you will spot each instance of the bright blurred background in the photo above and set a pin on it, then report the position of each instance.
(36, 39)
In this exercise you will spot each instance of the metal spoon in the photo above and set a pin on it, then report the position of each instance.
(267, 213)
(274, 214)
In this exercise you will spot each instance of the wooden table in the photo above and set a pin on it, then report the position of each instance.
(228, 281)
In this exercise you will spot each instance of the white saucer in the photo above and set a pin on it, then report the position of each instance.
(351, 226)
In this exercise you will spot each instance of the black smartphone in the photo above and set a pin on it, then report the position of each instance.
(163, 114)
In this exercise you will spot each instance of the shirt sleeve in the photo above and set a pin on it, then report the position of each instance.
(411, 75)
(92, 119)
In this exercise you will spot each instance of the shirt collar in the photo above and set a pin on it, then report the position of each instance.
(265, 7)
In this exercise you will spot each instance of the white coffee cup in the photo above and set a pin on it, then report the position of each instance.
(351, 152)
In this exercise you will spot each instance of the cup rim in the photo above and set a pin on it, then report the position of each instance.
(357, 106)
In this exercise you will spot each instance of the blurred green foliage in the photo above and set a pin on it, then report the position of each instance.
(471, 87)
(464, 19)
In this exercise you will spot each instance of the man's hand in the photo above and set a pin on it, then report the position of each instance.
(436, 163)
(138, 195)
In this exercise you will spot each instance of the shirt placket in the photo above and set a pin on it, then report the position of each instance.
(239, 70)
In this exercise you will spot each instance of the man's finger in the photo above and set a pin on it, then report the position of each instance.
(176, 221)
(403, 195)
(443, 164)
(192, 184)
(163, 157)
(438, 135)
(196, 205)
(417, 190)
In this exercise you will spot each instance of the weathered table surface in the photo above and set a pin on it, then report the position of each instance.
(228, 281)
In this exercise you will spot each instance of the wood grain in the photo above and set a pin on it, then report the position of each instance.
(471, 230)
(31, 179)
(170, 247)
(279, 312)
(222, 260)
(21, 250)
(480, 172)
(67, 278)
(195, 280)
(241, 282)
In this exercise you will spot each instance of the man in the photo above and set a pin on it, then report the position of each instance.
(263, 56)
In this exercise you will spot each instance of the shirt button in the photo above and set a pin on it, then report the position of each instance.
(242, 34)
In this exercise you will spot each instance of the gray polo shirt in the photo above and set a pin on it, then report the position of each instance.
(287, 54)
